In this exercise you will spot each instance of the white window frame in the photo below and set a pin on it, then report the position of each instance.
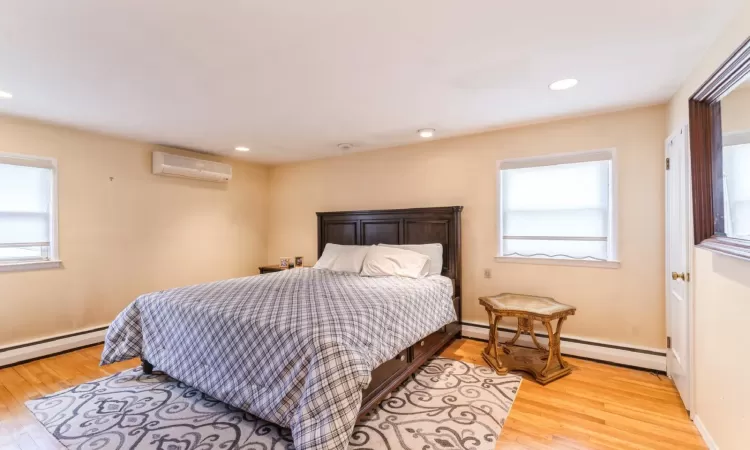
(53, 259)
(563, 158)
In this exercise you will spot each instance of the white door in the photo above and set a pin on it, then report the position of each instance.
(678, 275)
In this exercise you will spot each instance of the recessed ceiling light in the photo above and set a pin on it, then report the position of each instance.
(4, 94)
(242, 149)
(345, 146)
(561, 85)
(426, 132)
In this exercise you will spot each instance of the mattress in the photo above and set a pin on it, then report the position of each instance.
(295, 347)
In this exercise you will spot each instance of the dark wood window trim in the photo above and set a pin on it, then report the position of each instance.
(706, 150)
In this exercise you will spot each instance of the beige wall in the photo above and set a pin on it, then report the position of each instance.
(735, 111)
(721, 292)
(135, 234)
(722, 309)
(623, 305)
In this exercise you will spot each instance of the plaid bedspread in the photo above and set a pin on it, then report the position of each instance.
(295, 347)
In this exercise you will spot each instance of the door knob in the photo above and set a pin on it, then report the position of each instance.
(676, 276)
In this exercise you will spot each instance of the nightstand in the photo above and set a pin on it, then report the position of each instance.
(272, 269)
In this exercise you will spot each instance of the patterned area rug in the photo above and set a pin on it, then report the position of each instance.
(446, 405)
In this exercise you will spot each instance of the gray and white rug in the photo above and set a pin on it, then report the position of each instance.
(446, 405)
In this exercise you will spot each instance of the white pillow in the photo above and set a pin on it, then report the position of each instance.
(382, 261)
(434, 251)
(342, 258)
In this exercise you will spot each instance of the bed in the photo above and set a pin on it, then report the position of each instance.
(309, 349)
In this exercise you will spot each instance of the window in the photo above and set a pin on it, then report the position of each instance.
(27, 211)
(558, 209)
(737, 191)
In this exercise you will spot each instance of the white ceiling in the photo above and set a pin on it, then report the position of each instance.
(292, 79)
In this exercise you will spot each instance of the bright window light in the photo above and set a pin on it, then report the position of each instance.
(559, 207)
(26, 209)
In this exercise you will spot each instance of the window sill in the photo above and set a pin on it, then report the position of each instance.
(558, 262)
(31, 265)
(736, 248)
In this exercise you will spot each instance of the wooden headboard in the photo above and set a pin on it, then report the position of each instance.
(399, 226)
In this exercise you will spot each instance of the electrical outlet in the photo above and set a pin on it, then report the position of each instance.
(487, 273)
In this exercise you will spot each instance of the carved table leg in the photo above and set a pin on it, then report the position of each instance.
(519, 330)
(490, 354)
(525, 325)
(533, 338)
(495, 323)
(554, 347)
(555, 366)
(558, 354)
(488, 349)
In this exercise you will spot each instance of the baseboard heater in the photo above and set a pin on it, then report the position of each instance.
(28, 351)
(621, 354)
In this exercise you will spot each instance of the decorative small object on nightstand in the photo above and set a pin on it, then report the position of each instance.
(543, 364)
(299, 261)
(284, 261)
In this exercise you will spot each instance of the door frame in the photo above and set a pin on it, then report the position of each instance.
(682, 133)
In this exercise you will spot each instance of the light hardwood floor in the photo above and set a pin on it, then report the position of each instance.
(596, 407)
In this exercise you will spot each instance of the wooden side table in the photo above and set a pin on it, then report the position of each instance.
(543, 364)
(272, 268)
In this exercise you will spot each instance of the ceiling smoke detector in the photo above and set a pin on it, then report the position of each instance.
(345, 146)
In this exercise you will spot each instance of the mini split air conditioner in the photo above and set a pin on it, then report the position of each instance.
(181, 166)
